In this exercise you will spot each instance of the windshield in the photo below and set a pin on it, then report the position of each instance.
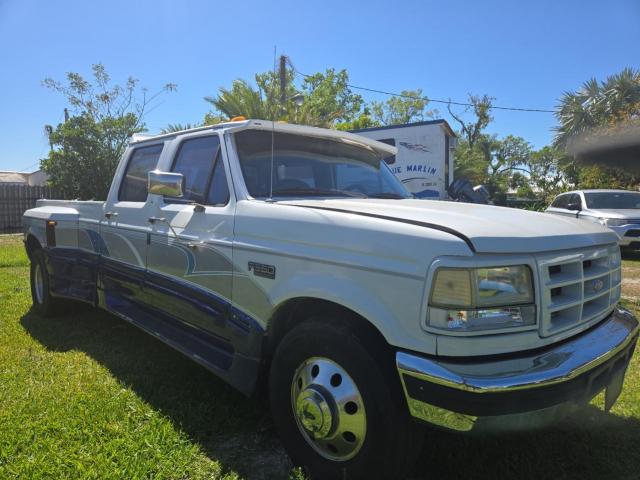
(313, 167)
(613, 200)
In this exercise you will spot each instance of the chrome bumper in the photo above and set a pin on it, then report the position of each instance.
(462, 394)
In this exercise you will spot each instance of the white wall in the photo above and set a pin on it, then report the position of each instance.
(420, 162)
(38, 178)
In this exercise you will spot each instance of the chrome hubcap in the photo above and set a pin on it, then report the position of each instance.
(329, 409)
(314, 413)
(38, 283)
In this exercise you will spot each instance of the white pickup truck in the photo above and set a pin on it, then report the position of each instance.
(290, 257)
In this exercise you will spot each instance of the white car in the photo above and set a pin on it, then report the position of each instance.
(290, 257)
(617, 209)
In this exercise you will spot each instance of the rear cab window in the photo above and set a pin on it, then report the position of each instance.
(134, 181)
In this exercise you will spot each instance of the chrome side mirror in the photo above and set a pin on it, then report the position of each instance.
(165, 183)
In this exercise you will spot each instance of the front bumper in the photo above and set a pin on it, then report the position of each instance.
(629, 235)
(520, 390)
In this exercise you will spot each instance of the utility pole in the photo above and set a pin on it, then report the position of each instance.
(66, 115)
(283, 80)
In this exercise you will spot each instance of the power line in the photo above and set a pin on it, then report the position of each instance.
(29, 167)
(428, 99)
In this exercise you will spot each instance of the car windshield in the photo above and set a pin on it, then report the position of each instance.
(305, 166)
(613, 200)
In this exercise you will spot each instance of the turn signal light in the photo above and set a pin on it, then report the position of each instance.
(51, 233)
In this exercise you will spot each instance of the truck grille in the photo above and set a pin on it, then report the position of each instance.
(578, 288)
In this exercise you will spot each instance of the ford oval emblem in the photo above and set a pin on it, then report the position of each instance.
(597, 285)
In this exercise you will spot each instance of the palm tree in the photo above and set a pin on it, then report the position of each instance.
(326, 99)
(242, 99)
(178, 127)
(598, 105)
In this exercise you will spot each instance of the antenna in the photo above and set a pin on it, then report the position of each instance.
(273, 125)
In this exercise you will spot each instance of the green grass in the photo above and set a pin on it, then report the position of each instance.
(85, 395)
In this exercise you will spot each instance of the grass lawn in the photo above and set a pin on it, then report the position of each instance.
(85, 395)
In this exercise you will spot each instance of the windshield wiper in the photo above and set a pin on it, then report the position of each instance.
(316, 192)
(390, 195)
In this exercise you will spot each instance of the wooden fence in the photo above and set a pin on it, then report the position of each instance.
(14, 200)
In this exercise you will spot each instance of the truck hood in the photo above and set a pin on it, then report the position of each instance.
(485, 228)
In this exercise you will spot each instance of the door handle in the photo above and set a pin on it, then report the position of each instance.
(154, 220)
(194, 245)
(111, 214)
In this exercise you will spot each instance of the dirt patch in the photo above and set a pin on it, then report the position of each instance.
(631, 288)
(10, 238)
(631, 277)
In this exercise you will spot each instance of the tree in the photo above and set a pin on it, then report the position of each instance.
(550, 172)
(322, 99)
(598, 105)
(601, 176)
(178, 127)
(496, 163)
(86, 149)
(506, 155)
(471, 131)
(504, 158)
(86, 153)
(243, 99)
(327, 100)
(409, 106)
(471, 163)
(474, 153)
(363, 120)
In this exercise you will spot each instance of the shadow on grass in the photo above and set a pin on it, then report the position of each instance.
(238, 432)
(589, 444)
(230, 428)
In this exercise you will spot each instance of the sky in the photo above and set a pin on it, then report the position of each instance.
(525, 54)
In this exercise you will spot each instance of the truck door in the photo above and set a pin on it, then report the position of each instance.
(124, 230)
(189, 260)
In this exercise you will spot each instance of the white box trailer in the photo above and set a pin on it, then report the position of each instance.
(424, 162)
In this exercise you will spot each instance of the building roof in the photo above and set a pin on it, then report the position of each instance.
(23, 178)
(439, 121)
(14, 177)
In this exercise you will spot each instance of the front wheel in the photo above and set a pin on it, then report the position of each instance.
(337, 410)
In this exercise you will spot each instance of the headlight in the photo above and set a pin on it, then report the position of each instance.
(479, 299)
(615, 222)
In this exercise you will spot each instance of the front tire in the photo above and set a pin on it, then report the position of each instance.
(339, 412)
(43, 303)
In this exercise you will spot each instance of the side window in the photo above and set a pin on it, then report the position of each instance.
(561, 201)
(218, 189)
(195, 161)
(134, 183)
